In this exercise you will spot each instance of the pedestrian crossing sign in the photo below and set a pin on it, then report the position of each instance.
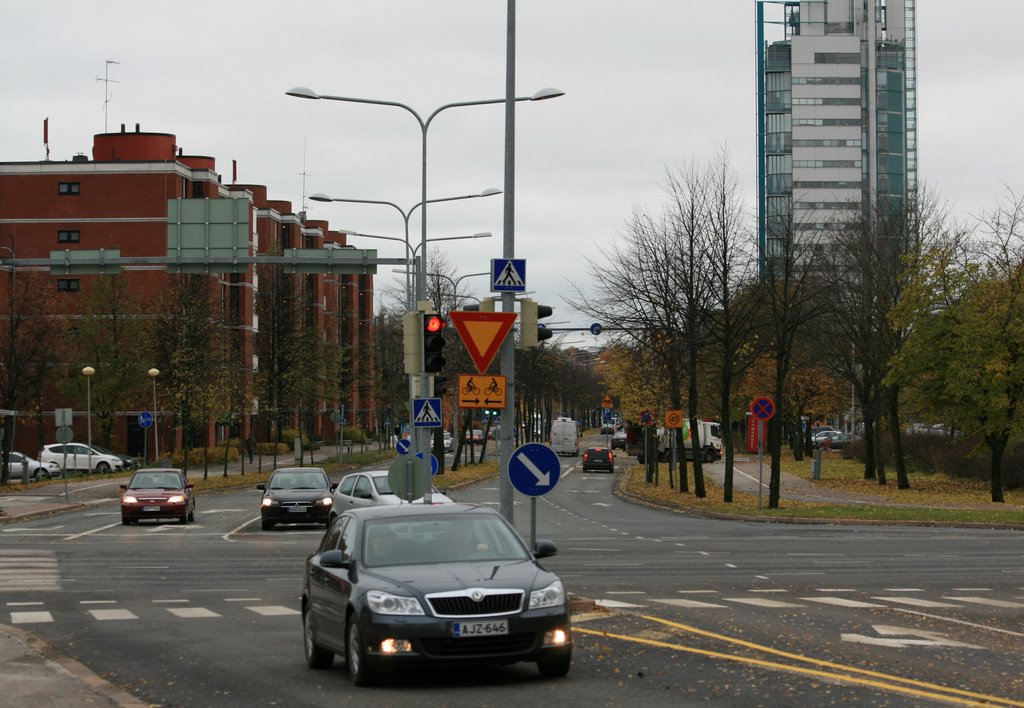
(426, 413)
(508, 275)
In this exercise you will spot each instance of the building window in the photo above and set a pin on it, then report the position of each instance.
(68, 188)
(68, 236)
(67, 285)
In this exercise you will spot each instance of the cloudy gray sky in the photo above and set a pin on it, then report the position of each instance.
(650, 84)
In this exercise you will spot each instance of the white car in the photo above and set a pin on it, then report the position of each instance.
(449, 441)
(36, 470)
(80, 458)
(373, 489)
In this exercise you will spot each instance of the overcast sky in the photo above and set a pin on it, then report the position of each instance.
(650, 85)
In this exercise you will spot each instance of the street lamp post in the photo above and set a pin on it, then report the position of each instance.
(508, 99)
(153, 373)
(87, 372)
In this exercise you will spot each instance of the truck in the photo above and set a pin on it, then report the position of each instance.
(710, 441)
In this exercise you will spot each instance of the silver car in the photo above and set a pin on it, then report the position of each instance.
(36, 470)
(372, 489)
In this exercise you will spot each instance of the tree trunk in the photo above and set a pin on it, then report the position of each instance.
(997, 444)
(892, 394)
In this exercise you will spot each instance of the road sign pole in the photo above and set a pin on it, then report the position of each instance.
(760, 461)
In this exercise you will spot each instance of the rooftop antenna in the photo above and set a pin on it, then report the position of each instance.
(106, 89)
(304, 175)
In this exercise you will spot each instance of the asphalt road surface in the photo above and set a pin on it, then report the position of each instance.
(688, 610)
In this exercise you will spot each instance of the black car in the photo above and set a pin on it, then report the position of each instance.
(296, 495)
(598, 459)
(619, 440)
(395, 586)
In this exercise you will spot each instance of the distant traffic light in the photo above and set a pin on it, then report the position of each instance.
(531, 332)
(485, 305)
(433, 343)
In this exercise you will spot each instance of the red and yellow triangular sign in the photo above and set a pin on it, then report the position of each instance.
(482, 333)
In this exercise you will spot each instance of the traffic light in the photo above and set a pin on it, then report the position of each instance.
(485, 305)
(433, 343)
(412, 340)
(440, 385)
(531, 333)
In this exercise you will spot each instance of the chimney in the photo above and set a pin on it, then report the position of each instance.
(122, 127)
(136, 127)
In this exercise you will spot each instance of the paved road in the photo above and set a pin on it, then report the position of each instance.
(697, 610)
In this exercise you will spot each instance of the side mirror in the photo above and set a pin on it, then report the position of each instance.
(189, 485)
(261, 486)
(333, 559)
(544, 549)
(124, 486)
(334, 485)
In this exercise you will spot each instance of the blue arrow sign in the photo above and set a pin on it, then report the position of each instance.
(595, 329)
(534, 469)
(145, 419)
(434, 465)
(403, 446)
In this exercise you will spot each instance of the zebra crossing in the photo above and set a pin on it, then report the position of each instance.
(908, 597)
(35, 612)
(25, 570)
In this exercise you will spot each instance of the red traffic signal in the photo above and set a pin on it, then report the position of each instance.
(433, 323)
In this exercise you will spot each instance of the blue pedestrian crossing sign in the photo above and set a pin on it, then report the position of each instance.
(534, 469)
(426, 413)
(508, 275)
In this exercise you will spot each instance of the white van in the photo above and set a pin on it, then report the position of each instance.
(565, 437)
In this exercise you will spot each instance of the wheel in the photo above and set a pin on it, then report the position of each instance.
(102, 468)
(192, 514)
(709, 456)
(316, 656)
(355, 656)
(555, 669)
(267, 525)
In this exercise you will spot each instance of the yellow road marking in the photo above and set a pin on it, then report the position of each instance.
(888, 682)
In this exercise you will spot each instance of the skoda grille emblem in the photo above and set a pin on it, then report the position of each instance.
(476, 595)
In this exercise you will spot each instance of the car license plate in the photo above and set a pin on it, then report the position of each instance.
(151, 508)
(298, 509)
(479, 629)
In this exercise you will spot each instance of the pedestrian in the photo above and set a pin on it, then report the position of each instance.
(250, 447)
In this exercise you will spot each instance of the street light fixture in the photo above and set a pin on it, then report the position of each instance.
(153, 373)
(406, 215)
(87, 372)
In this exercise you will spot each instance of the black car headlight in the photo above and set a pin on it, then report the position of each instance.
(384, 603)
(551, 596)
(324, 501)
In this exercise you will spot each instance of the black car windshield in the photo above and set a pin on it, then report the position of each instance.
(298, 480)
(440, 539)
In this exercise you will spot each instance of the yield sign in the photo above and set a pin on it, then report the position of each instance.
(482, 333)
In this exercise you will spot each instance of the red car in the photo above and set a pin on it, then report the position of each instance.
(158, 494)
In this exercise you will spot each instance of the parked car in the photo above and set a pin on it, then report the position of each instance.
(448, 441)
(159, 493)
(835, 439)
(598, 459)
(127, 461)
(607, 429)
(372, 488)
(296, 495)
(36, 470)
(397, 586)
(619, 440)
(79, 458)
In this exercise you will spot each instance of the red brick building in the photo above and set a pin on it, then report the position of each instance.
(120, 200)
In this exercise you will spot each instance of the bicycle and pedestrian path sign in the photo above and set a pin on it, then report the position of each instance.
(482, 391)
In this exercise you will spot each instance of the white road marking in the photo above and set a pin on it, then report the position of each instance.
(915, 602)
(30, 617)
(761, 602)
(273, 610)
(841, 602)
(927, 639)
(89, 533)
(695, 604)
(987, 601)
(191, 612)
(616, 604)
(105, 615)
